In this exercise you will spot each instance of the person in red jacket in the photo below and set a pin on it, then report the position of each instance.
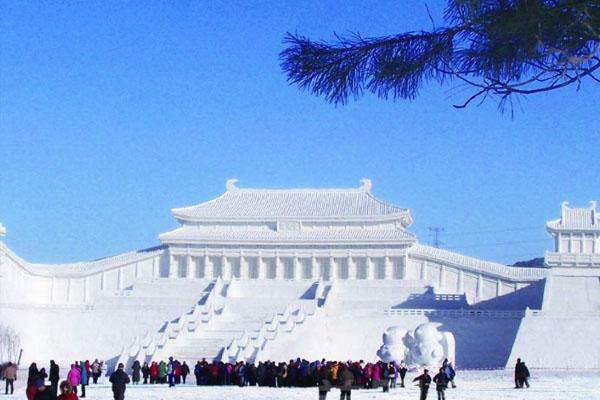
(66, 392)
(177, 372)
(153, 372)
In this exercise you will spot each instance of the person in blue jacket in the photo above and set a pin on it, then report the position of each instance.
(84, 377)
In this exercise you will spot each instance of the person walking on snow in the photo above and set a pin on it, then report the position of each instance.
(145, 372)
(441, 383)
(31, 378)
(74, 377)
(171, 372)
(450, 372)
(96, 371)
(153, 372)
(393, 374)
(521, 374)
(54, 376)
(83, 378)
(185, 371)
(119, 380)
(424, 382)
(402, 372)
(324, 383)
(345, 381)
(135, 372)
(10, 375)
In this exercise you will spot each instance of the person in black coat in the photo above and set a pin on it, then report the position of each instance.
(521, 374)
(441, 383)
(119, 380)
(517, 372)
(31, 378)
(146, 372)
(251, 374)
(402, 371)
(54, 376)
(185, 371)
(424, 382)
(345, 381)
(324, 382)
(136, 369)
(524, 375)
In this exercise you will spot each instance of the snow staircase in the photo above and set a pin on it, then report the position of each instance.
(236, 321)
(152, 345)
(250, 344)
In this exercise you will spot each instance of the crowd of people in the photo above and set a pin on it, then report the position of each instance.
(294, 373)
(322, 374)
(78, 376)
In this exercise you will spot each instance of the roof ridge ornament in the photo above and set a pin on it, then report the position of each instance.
(563, 209)
(366, 185)
(230, 184)
(2, 230)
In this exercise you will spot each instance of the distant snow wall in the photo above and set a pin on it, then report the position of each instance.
(481, 342)
(558, 342)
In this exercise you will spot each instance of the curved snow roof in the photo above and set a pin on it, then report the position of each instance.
(576, 218)
(256, 204)
(190, 234)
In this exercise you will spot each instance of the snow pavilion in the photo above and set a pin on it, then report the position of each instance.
(279, 273)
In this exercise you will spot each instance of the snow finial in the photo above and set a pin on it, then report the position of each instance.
(563, 208)
(230, 185)
(2, 230)
(593, 205)
(366, 185)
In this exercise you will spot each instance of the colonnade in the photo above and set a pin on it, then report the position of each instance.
(286, 267)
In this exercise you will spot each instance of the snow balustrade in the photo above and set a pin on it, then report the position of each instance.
(460, 261)
(460, 313)
(464, 313)
(200, 314)
(61, 285)
(248, 347)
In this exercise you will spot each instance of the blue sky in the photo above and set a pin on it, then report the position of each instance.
(112, 113)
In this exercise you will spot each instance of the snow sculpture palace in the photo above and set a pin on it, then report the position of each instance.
(260, 274)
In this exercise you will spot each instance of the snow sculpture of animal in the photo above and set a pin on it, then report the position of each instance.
(393, 348)
(428, 346)
(425, 346)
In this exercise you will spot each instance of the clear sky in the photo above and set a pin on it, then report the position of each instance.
(112, 113)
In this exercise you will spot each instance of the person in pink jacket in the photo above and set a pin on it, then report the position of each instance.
(368, 376)
(376, 375)
(74, 376)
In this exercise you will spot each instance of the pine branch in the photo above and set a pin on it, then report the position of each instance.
(499, 47)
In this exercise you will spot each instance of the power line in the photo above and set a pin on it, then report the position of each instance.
(501, 243)
(518, 229)
(436, 235)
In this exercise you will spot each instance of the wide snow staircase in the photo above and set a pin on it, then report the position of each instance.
(233, 321)
(206, 304)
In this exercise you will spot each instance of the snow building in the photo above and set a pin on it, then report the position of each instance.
(279, 273)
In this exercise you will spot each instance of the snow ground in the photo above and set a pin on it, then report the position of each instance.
(472, 385)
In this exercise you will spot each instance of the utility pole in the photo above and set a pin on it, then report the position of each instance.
(435, 231)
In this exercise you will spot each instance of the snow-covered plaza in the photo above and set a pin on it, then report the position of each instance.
(471, 385)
